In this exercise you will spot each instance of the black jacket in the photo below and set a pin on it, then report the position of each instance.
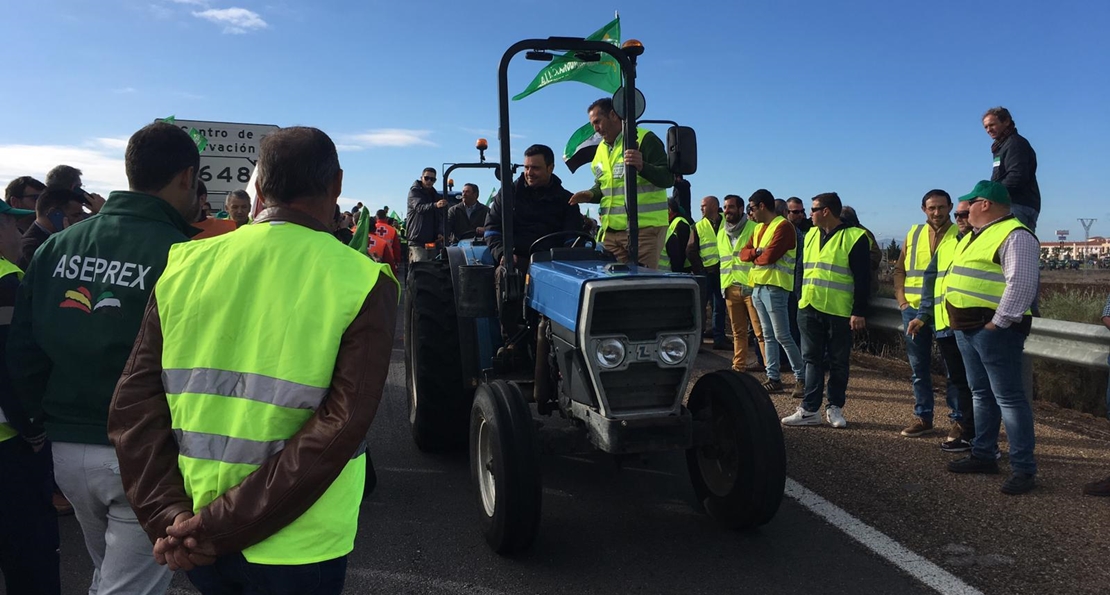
(536, 213)
(34, 237)
(424, 221)
(1016, 169)
(459, 225)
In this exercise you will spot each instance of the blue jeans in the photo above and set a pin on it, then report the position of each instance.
(233, 575)
(825, 338)
(1108, 392)
(993, 363)
(919, 350)
(771, 306)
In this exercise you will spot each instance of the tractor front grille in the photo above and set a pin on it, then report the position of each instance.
(640, 314)
(642, 386)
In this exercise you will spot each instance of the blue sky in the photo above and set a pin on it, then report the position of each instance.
(878, 101)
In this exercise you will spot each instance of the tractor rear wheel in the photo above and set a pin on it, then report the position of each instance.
(439, 403)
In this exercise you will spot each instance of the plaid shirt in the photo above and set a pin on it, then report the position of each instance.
(1106, 308)
(1019, 256)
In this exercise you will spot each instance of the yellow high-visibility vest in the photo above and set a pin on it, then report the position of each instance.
(238, 387)
(946, 249)
(651, 200)
(664, 258)
(827, 281)
(707, 242)
(918, 256)
(781, 272)
(733, 270)
(975, 279)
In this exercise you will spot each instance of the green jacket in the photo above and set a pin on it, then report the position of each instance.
(79, 308)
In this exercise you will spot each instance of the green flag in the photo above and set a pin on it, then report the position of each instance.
(604, 74)
(361, 239)
(581, 147)
(492, 194)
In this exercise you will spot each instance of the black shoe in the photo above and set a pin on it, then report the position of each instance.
(970, 464)
(957, 445)
(722, 346)
(1019, 483)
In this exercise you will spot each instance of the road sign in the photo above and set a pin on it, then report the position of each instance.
(1063, 232)
(228, 158)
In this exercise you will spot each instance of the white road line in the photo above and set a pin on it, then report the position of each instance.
(916, 566)
(422, 581)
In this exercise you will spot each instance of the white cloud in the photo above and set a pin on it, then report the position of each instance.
(109, 143)
(387, 137)
(102, 168)
(234, 20)
(203, 3)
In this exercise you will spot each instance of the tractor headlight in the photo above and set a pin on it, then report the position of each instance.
(672, 350)
(610, 353)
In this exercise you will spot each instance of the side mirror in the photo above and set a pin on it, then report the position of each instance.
(682, 150)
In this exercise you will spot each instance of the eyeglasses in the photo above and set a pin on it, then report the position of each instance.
(797, 211)
(975, 200)
(960, 215)
(429, 179)
(816, 210)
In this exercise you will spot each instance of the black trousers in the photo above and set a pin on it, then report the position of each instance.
(957, 376)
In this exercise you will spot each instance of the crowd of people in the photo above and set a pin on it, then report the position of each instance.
(234, 446)
(132, 388)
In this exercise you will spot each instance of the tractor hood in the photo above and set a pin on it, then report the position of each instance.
(555, 288)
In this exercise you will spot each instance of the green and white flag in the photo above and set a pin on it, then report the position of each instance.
(581, 147)
(605, 74)
(361, 240)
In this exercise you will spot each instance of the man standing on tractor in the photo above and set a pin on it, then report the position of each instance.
(427, 210)
(540, 207)
(652, 179)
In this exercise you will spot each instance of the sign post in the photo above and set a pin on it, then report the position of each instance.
(227, 155)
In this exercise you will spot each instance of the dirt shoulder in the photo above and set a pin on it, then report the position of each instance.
(1053, 539)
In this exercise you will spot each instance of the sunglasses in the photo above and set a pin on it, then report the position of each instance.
(816, 210)
(797, 211)
(975, 200)
(429, 179)
(960, 215)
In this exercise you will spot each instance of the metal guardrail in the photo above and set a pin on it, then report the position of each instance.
(1075, 343)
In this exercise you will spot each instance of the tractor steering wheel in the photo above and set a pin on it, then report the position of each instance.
(578, 235)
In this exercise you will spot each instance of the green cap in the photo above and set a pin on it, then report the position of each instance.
(7, 209)
(992, 191)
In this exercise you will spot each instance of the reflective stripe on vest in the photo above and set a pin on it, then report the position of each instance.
(664, 258)
(781, 272)
(707, 243)
(7, 267)
(239, 388)
(974, 279)
(827, 281)
(946, 249)
(651, 201)
(733, 270)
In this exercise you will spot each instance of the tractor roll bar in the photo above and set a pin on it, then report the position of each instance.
(627, 64)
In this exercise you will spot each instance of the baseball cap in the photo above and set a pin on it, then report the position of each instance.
(992, 191)
(7, 209)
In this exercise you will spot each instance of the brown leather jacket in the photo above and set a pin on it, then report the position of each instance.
(289, 482)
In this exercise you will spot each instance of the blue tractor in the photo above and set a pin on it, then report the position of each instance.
(608, 347)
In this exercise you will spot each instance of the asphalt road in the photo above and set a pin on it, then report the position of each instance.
(606, 528)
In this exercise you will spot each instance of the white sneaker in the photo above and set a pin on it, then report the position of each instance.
(801, 417)
(835, 416)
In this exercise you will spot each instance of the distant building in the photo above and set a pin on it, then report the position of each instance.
(1096, 248)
